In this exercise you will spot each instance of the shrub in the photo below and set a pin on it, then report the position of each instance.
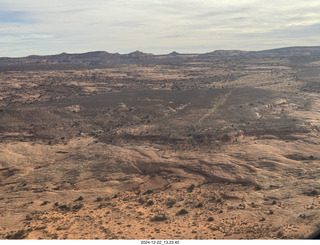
(28, 217)
(313, 193)
(141, 201)
(150, 203)
(199, 205)
(99, 199)
(148, 192)
(80, 198)
(44, 203)
(78, 206)
(303, 216)
(18, 235)
(64, 208)
(210, 219)
(182, 212)
(190, 188)
(160, 217)
(170, 202)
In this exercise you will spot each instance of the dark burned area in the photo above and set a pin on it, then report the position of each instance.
(103, 114)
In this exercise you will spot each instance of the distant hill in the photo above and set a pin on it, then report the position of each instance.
(137, 54)
(225, 53)
(288, 51)
(102, 58)
(291, 51)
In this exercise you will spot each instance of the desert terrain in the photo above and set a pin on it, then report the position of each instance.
(223, 145)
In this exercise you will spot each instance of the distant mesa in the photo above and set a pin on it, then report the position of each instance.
(226, 53)
(292, 51)
(174, 53)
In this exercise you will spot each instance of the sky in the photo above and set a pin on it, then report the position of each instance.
(46, 27)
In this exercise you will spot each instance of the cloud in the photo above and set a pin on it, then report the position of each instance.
(158, 26)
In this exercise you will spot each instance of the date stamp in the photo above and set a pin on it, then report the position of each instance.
(160, 242)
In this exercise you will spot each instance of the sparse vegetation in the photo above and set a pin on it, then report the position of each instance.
(191, 188)
(64, 208)
(170, 202)
(199, 205)
(77, 207)
(80, 198)
(303, 216)
(62, 228)
(141, 201)
(28, 217)
(182, 212)
(21, 234)
(150, 203)
(210, 219)
(148, 192)
(44, 203)
(159, 217)
(313, 193)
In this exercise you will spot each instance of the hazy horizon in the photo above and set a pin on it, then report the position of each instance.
(92, 51)
(158, 27)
